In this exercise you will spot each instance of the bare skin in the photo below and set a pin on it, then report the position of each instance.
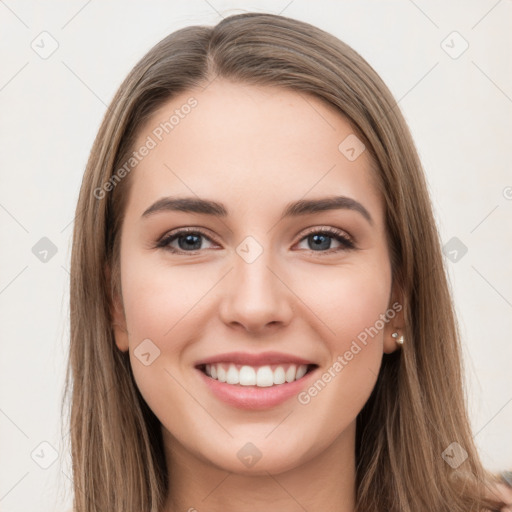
(255, 149)
(502, 491)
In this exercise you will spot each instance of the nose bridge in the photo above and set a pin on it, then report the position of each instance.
(255, 296)
(252, 275)
(254, 279)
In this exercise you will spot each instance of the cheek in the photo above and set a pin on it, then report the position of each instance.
(159, 301)
(348, 300)
(352, 307)
(357, 311)
(159, 305)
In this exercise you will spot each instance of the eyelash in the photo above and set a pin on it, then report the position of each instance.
(346, 242)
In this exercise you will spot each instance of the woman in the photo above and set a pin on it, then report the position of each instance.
(259, 308)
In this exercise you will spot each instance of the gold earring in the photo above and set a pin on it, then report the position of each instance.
(399, 340)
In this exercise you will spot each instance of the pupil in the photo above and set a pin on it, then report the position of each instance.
(189, 242)
(318, 243)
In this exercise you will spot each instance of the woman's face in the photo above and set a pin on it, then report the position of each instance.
(256, 292)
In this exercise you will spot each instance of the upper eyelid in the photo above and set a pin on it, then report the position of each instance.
(329, 230)
(180, 231)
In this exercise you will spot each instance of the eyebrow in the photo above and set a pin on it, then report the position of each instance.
(294, 209)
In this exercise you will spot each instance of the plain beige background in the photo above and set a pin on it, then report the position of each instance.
(447, 65)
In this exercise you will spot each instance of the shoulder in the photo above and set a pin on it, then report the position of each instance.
(505, 493)
(502, 491)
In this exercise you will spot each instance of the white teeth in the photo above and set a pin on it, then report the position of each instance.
(247, 376)
(301, 371)
(221, 373)
(262, 376)
(232, 377)
(279, 375)
(290, 374)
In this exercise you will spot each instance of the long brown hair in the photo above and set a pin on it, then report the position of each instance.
(417, 408)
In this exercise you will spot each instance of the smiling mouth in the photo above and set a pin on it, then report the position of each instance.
(256, 376)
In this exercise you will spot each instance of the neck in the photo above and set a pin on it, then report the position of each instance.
(325, 482)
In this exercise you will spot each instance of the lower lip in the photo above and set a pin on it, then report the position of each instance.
(254, 397)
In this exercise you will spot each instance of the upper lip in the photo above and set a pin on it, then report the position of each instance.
(245, 358)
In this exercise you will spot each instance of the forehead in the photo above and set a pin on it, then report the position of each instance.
(252, 146)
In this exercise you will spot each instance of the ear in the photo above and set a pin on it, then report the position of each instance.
(395, 313)
(116, 312)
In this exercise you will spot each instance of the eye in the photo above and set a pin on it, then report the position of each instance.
(320, 240)
(189, 240)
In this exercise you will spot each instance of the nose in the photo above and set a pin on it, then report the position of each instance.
(255, 296)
